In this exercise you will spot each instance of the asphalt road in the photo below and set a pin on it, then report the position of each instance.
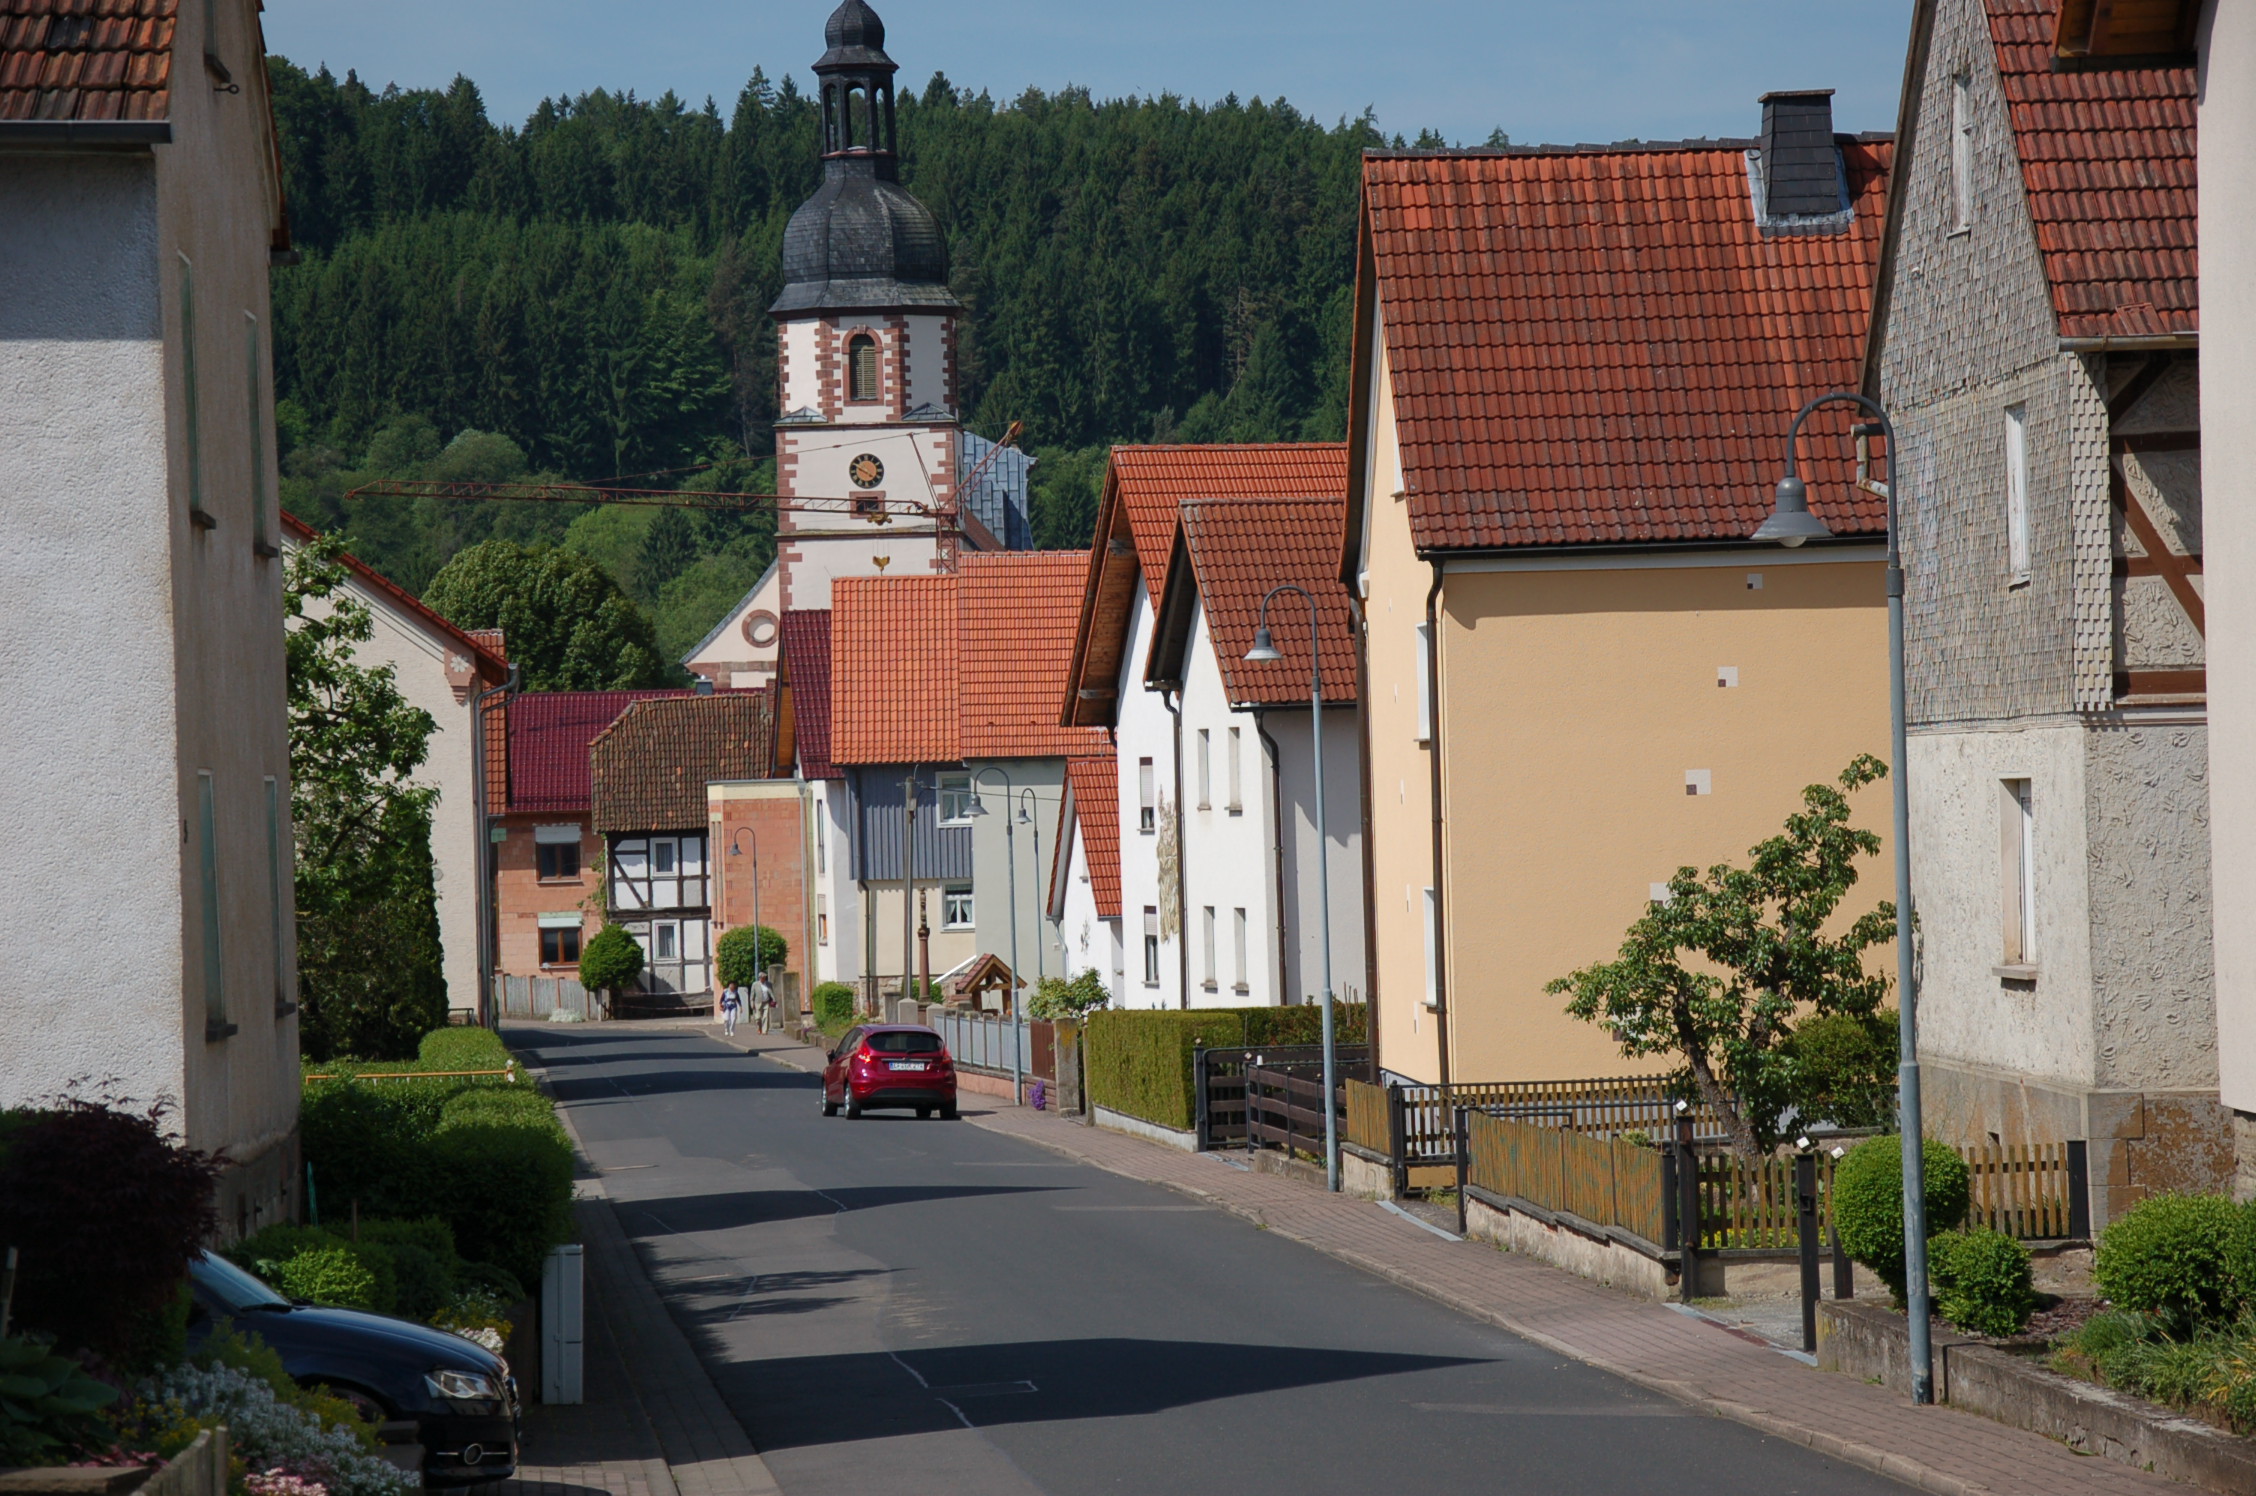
(925, 1307)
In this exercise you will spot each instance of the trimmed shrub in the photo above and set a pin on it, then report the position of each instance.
(2167, 1255)
(108, 1213)
(464, 1047)
(611, 960)
(510, 1188)
(423, 1263)
(1868, 1202)
(1982, 1281)
(1138, 1060)
(2240, 1255)
(1304, 1024)
(739, 961)
(1843, 1068)
(834, 1005)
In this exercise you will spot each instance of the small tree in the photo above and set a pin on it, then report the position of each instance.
(610, 961)
(569, 625)
(746, 951)
(1763, 959)
(1056, 997)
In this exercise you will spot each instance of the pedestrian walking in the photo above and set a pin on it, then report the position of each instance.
(732, 1004)
(763, 1001)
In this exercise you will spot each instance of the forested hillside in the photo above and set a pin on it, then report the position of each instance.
(586, 295)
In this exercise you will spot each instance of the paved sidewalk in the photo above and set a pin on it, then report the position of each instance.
(1934, 1449)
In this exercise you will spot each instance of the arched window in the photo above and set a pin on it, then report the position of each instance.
(861, 367)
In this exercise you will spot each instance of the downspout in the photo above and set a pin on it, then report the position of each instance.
(1370, 871)
(489, 937)
(1173, 701)
(1276, 843)
(1433, 762)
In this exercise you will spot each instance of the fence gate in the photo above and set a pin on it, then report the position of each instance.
(1218, 1081)
(1285, 1109)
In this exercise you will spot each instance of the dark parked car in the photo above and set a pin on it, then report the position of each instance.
(459, 1394)
(890, 1065)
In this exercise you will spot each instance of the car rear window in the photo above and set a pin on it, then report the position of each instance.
(904, 1041)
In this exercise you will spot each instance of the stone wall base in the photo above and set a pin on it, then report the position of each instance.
(1605, 1262)
(1149, 1131)
(1360, 1176)
(264, 1187)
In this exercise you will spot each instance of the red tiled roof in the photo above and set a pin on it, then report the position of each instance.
(1095, 783)
(649, 768)
(2107, 158)
(1016, 611)
(893, 670)
(806, 665)
(1145, 488)
(86, 59)
(1601, 345)
(1241, 548)
(483, 645)
(549, 734)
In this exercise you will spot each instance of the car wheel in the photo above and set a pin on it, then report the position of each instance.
(853, 1110)
(830, 1107)
(948, 1112)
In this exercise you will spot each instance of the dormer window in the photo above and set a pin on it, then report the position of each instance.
(861, 367)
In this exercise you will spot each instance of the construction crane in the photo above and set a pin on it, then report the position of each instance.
(875, 511)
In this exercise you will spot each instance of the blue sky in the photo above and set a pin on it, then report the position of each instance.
(1557, 71)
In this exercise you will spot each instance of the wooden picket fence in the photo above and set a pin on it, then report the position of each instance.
(1604, 1181)
(2032, 1191)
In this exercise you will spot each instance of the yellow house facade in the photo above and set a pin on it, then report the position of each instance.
(1579, 675)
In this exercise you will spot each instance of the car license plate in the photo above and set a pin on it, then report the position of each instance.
(909, 1065)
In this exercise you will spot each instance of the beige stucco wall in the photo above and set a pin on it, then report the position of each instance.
(2228, 483)
(1574, 704)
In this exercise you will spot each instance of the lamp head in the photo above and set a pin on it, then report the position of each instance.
(1790, 521)
(1264, 647)
(978, 807)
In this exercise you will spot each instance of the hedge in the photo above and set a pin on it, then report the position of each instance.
(1138, 1060)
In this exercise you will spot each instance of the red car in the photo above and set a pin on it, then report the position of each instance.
(890, 1065)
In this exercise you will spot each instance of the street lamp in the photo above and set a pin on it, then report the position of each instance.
(1265, 649)
(1790, 524)
(1026, 817)
(1010, 861)
(759, 950)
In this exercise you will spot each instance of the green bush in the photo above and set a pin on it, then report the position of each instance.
(1138, 1060)
(1842, 1068)
(1982, 1281)
(1868, 1202)
(1060, 997)
(2212, 1370)
(511, 1192)
(2168, 1255)
(2240, 1255)
(337, 1276)
(834, 1005)
(424, 1263)
(740, 961)
(1304, 1024)
(610, 961)
(50, 1407)
(463, 1047)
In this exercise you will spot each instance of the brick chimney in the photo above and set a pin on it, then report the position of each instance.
(1801, 166)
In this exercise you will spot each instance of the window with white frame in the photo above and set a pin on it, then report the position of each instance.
(822, 919)
(2017, 859)
(560, 938)
(1236, 804)
(1425, 682)
(658, 872)
(1147, 797)
(1205, 768)
(556, 852)
(956, 908)
(1962, 153)
(1238, 948)
(955, 799)
(1433, 952)
(1151, 945)
(1206, 947)
(2017, 492)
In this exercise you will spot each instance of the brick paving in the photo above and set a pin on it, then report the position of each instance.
(1932, 1449)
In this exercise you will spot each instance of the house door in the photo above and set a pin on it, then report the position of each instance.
(675, 959)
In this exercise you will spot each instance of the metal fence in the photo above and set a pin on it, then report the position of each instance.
(1218, 1077)
(982, 1041)
(542, 997)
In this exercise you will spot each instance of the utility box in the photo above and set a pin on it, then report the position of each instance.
(563, 1317)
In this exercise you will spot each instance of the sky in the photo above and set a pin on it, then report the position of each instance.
(1543, 71)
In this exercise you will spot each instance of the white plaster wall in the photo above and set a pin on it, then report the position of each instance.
(840, 958)
(1343, 812)
(927, 363)
(799, 342)
(90, 824)
(2041, 1031)
(1144, 730)
(811, 564)
(418, 657)
(1090, 940)
(2228, 480)
(1229, 856)
(729, 653)
(1035, 847)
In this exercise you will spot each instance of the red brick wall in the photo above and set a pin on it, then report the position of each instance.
(776, 821)
(520, 897)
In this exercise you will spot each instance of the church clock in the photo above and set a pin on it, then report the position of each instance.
(866, 471)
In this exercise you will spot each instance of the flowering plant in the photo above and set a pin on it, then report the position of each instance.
(327, 1459)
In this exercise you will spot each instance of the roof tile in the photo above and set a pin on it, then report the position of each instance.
(1240, 549)
(549, 734)
(806, 664)
(893, 670)
(1016, 612)
(62, 60)
(648, 769)
(1095, 783)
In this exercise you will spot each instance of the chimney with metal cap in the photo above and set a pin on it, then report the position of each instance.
(1801, 165)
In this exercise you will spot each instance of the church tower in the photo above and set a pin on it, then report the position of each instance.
(866, 344)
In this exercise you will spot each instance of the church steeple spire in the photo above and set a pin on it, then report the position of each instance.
(857, 85)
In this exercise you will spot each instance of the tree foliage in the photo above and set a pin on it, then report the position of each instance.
(610, 961)
(1717, 974)
(744, 951)
(370, 976)
(567, 624)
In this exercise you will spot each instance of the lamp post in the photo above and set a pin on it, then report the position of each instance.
(1027, 818)
(1010, 861)
(1265, 648)
(1790, 524)
(759, 948)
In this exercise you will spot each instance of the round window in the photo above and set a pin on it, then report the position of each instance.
(760, 629)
